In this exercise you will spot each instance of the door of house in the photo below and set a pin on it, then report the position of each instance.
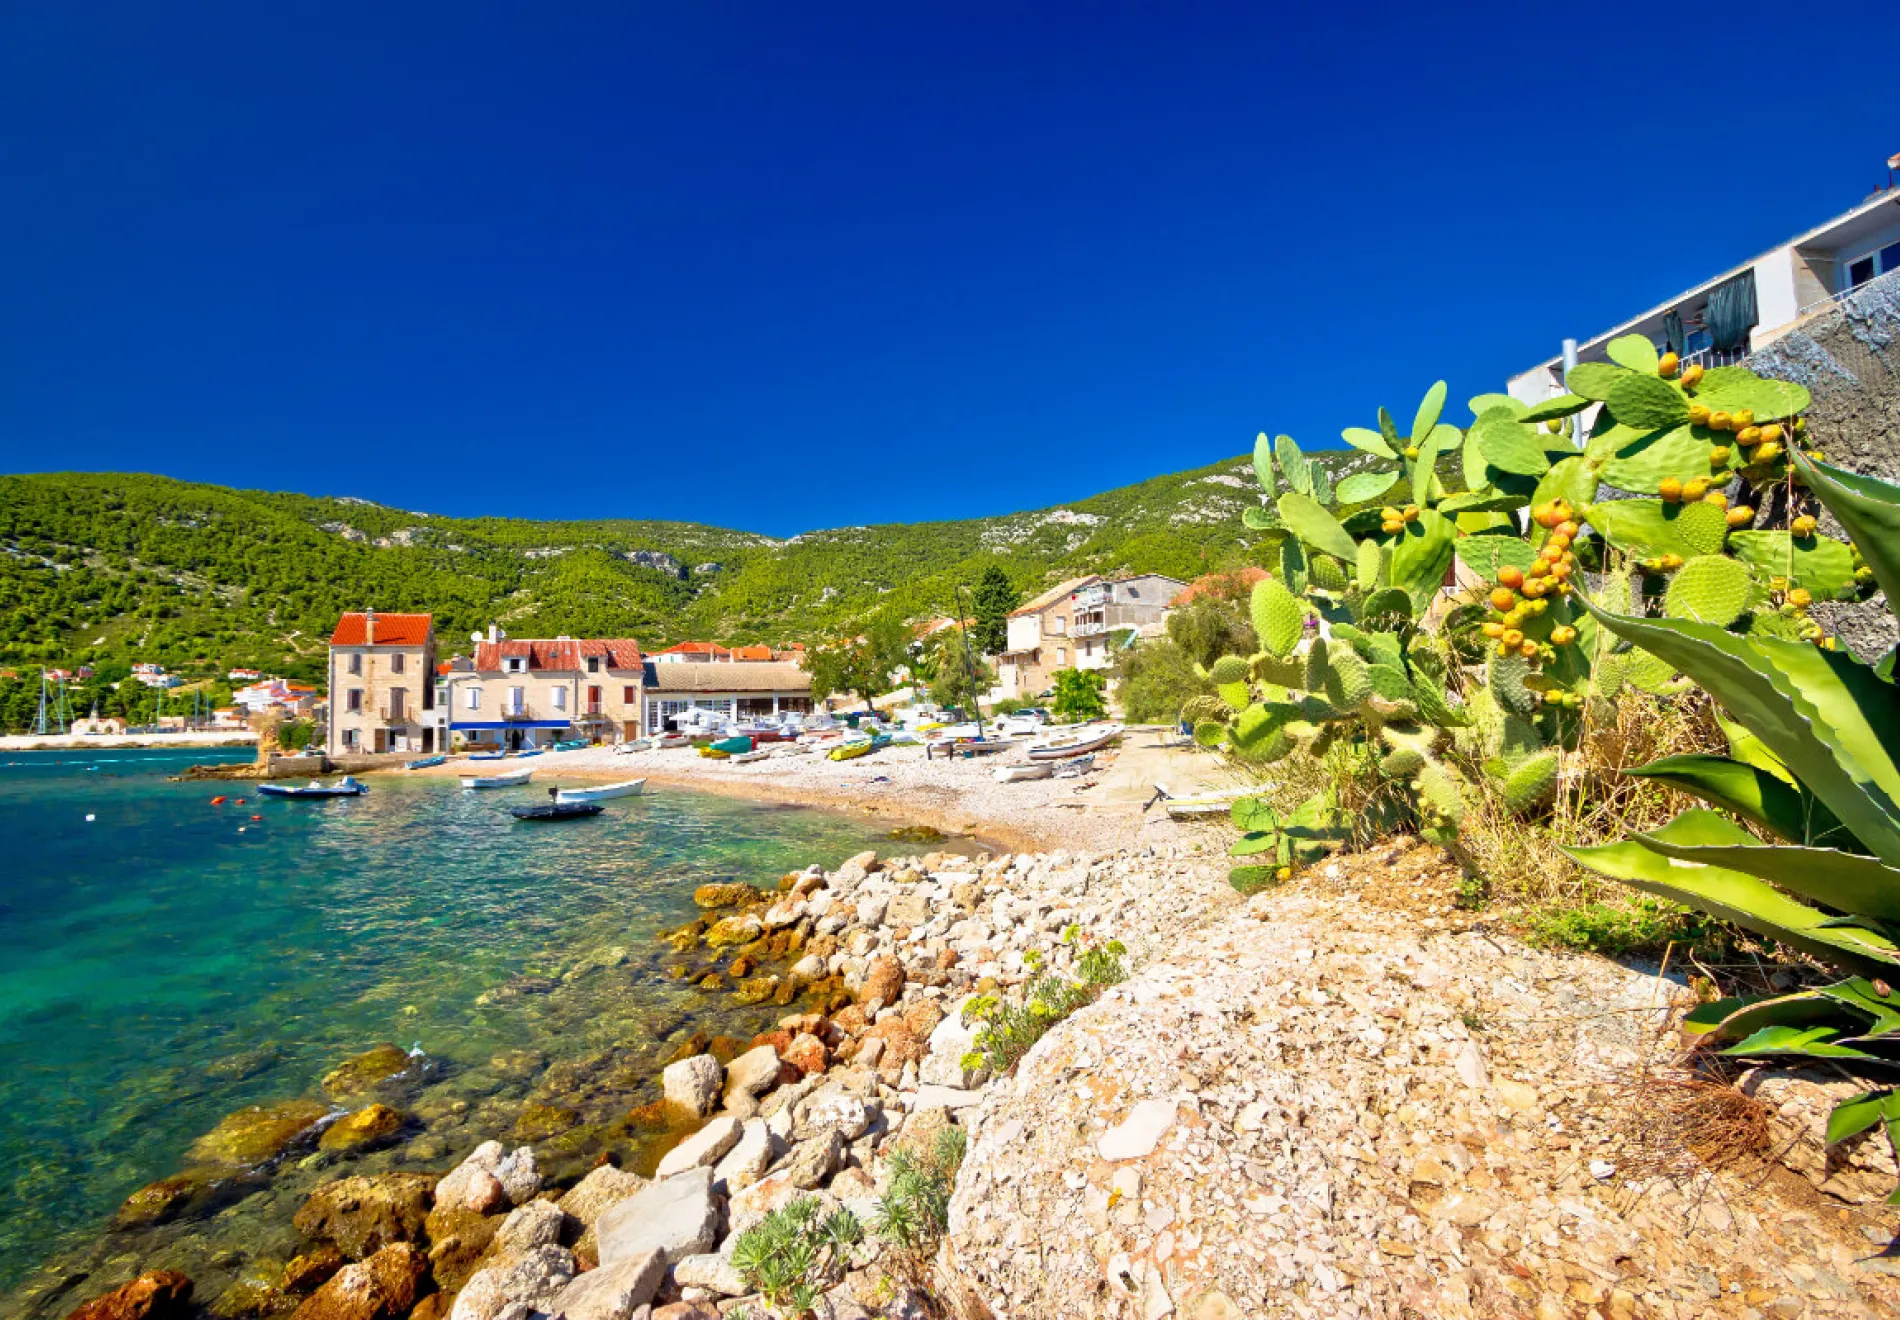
(593, 699)
(514, 740)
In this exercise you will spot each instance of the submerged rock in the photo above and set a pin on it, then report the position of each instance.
(362, 1214)
(538, 1122)
(742, 929)
(159, 1295)
(162, 1201)
(458, 1242)
(726, 895)
(367, 1128)
(258, 1134)
(367, 1070)
(312, 1269)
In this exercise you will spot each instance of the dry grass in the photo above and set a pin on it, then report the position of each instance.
(1522, 860)
(1675, 1125)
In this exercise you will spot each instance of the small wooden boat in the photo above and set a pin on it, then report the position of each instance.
(1015, 774)
(667, 741)
(557, 811)
(636, 745)
(733, 746)
(1075, 769)
(712, 753)
(572, 745)
(495, 755)
(425, 763)
(745, 758)
(1214, 802)
(602, 792)
(532, 751)
(856, 747)
(348, 786)
(1076, 744)
(507, 779)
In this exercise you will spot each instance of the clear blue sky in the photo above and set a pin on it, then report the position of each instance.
(739, 263)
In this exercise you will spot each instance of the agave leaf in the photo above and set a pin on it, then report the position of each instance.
(1750, 792)
(1363, 486)
(1746, 747)
(1736, 1019)
(1370, 441)
(1635, 352)
(1804, 1042)
(1843, 880)
(1825, 715)
(1855, 1115)
(1263, 464)
(1306, 519)
(1420, 556)
(1429, 409)
(1593, 380)
(1731, 896)
(1564, 405)
(1868, 508)
(1864, 996)
(1819, 563)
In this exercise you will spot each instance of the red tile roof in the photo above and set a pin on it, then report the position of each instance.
(391, 630)
(697, 648)
(751, 653)
(563, 655)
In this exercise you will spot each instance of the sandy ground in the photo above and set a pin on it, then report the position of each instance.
(30, 742)
(1097, 813)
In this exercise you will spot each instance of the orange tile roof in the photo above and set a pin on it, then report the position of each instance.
(697, 648)
(560, 654)
(391, 630)
(751, 653)
(1209, 584)
(621, 652)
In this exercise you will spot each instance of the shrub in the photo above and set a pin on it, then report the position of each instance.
(914, 1212)
(1009, 1029)
(790, 1257)
(1079, 694)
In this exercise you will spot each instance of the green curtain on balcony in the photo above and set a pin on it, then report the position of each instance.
(1672, 333)
(1732, 311)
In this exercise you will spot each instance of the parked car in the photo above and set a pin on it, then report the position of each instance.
(1022, 723)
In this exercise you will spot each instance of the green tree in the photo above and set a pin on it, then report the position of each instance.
(1153, 680)
(1209, 627)
(992, 600)
(862, 666)
(1079, 694)
(949, 669)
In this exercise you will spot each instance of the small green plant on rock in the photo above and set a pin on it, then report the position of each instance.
(1009, 1029)
(914, 1213)
(791, 1256)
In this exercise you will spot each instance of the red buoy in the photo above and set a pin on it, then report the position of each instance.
(218, 801)
(257, 818)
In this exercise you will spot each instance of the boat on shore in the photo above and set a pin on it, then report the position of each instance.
(636, 745)
(572, 745)
(1016, 774)
(668, 741)
(733, 746)
(348, 786)
(1214, 802)
(853, 748)
(1075, 743)
(532, 751)
(495, 755)
(745, 758)
(507, 779)
(603, 792)
(425, 763)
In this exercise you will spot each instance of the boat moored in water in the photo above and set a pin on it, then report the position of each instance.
(348, 786)
(507, 779)
(425, 763)
(602, 792)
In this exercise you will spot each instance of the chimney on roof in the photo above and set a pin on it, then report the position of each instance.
(491, 634)
(369, 627)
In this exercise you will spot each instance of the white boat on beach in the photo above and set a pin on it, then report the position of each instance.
(1075, 742)
(1015, 774)
(668, 741)
(508, 779)
(1213, 802)
(602, 792)
(636, 745)
(756, 754)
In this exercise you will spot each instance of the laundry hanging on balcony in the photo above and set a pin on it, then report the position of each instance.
(1673, 337)
(1732, 311)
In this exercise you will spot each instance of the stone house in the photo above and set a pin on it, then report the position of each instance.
(382, 684)
(529, 692)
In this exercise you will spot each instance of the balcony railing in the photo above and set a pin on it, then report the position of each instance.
(521, 712)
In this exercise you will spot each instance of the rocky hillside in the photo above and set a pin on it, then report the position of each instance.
(122, 566)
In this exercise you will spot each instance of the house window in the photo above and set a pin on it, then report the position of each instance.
(349, 738)
(1883, 262)
(1058, 625)
(1062, 655)
(560, 698)
(395, 663)
(517, 700)
(356, 662)
(354, 700)
(1860, 272)
(474, 698)
(629, 696)
(593, 664)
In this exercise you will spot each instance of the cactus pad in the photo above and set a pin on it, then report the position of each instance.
(1235, 695)
(1709, 589)
(1438, 788)
(1196, 710)
(1209, 733)
(1421, 556)
(1401, 763)
(1505, 678)
(1649, 528)
(1363, 486)
(1509, 445)
(1293, 465)
(1278, 616)
(1649, 402)
(1229, 669)
(1306, 519)
(1263, 464)
(1646, 462)
(1818, 563)
(1253, 879)
(1339, 674)
(1730, 389)
(1281, 671)
(1531, 784)
(1369, 570)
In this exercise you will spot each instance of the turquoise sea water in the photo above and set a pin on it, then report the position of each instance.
(168, 961)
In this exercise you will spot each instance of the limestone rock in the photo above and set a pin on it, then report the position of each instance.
(883, 982)
(828, 1108)
(692, 1085)
(458, 1244)
(601, 1189)
(533, 1280)
(853, 872)
(1139, 1133)
(368, 1070)
(907, 910)
(748, 1160)
(677, 1217)
(704, 1147)
(490, 1180)
(612, 1292)
(812, 1162)
(369, 1127)
(159, 1295)
(536, 1224)
(363, 1214)
(382, 1287)
(713, 1272)
(754, 1072)
(162, 1201)
(808, 1054)
(312, 1269)
(742, 929)
(725, 895)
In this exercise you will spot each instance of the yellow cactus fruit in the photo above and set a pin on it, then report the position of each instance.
(1694, 489)
(1766, 452)
(1748, 435)
(1668, 365)
(1717, 498)
(1803, 526)
(1514, 617)
(1390, 514)
(1671, 562)
(1814, 456)
(1740, 516)
(1699, 414)
(1511, 576)
(1529, 649)
(1692, 373)
(1562, 635)
(1800, 426)
(1411, 451)
(1772, 431)
(1390, 527)
(1561, 571)
(1777, 583)
(1670, 488)
(1411, 513)
(1511, 636)
(1494, 630)
(1744, 417)
(1800, 598)
(1540, 567)
(1536, 607)
(1719, 455)
(1719, 421)
(1555, 426)
(1568, 529)
(1284, 874)
(1503, 599)
(1547, 515)
(1535, 588)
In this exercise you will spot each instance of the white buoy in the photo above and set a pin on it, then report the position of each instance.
(90, 817)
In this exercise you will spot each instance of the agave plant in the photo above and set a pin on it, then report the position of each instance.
(1813, 744)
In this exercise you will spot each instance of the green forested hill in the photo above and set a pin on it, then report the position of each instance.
(118, 567)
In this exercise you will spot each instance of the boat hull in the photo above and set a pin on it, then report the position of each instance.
(557, 811)
(603, 792)
(497, 781)
(1078, 747)
(425, 762)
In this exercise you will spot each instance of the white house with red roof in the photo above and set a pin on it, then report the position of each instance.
(519, 693)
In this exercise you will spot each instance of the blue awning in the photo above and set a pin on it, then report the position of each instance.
(510, 724)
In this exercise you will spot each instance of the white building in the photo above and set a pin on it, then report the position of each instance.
(1722, 320)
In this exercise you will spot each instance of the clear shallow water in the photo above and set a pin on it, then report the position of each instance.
(171, 961)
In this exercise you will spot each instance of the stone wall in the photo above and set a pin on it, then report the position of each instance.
(1849, 358)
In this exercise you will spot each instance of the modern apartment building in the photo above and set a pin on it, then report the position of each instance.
(1723, 319)
(382, 684)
